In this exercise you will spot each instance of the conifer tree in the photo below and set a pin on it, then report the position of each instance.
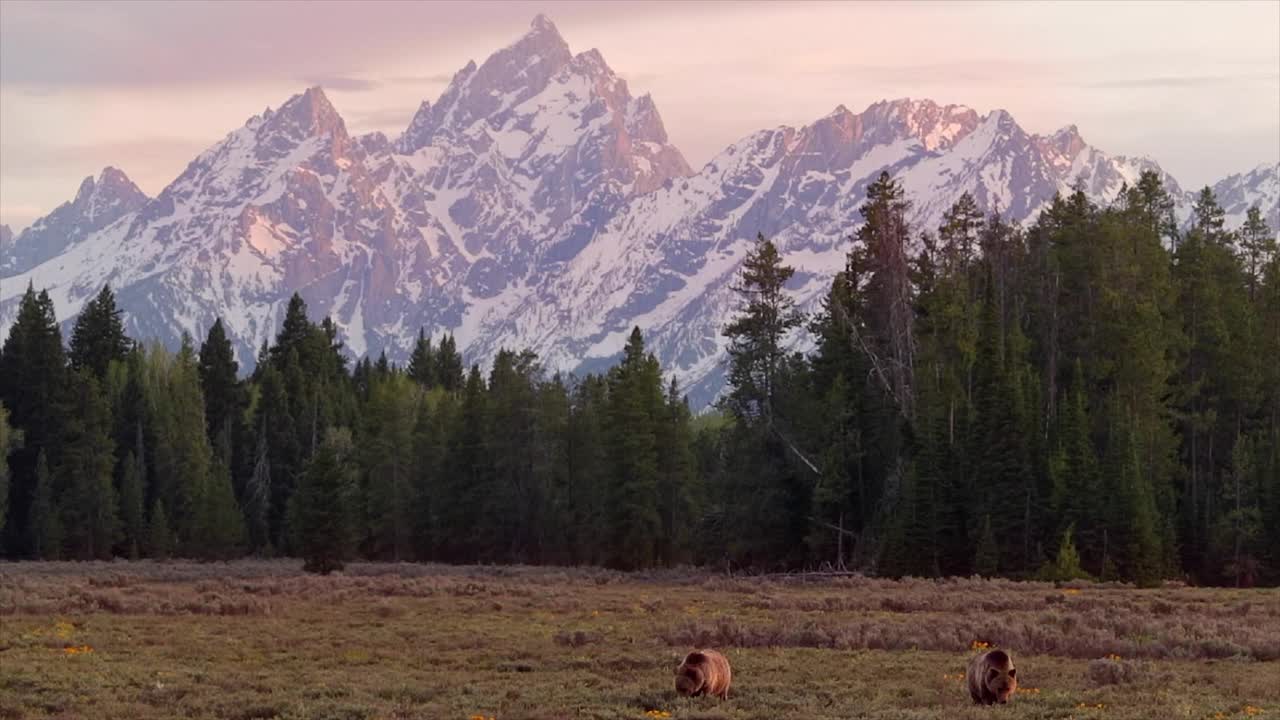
(1075, 486)
(422, 363)
(133, 519)
(1066, 564)
(676, 476)
(386, 454)
(515, 499)
(585, 496)
(757, 333)
(468, 478)
(320, 516)
(1258, 247)
(33, 388)
(257, 497)
(833, 507)
(159, 535)
(183, 457)
(986, 561)
(84, 470)
(891, 344)
(278, 458)
(1209, 219)
(1001, 450)
(10, 440)
(221, 391)
(98, 338)
(449, 365)
(635, 393)
(44, 524)
(219, 533)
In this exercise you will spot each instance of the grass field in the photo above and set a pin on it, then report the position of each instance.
(259, 639)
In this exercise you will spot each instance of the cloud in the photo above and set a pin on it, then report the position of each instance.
(391, 118)
(1191, 81)
(341, 83)
(437, 79)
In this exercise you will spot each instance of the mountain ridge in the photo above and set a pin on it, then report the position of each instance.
(536, 203)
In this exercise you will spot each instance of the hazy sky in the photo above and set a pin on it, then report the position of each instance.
(147, 86)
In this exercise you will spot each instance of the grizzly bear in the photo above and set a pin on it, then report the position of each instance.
(992, 677)
(703, 672)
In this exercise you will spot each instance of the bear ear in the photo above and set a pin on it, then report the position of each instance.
(1013, 672)
(992, 674)
(695, 657)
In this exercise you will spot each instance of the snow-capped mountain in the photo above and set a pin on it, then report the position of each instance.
(1260, 186)
(97, 204)
(536, 204)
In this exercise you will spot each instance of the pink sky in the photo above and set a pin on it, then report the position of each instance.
(147, 86)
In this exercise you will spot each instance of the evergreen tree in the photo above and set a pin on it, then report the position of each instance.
(1001, 447)
(32, 387)
(295, 333)
(43, 524)
(386, 453)
(584, 495)
(515, 499)
(986, 561)
(10, 440)
(676, 476)
(635, 394)
(159, 535)
(219, 532)
(1075, 485)
(84, 471)
(468, 477)
(257, 497)
(98, 338)
(422, 363)
(834, 509)
(220, 388)
(756, 335)
(278, 458)
(320, 512)
(183, 457)
(449, 365)
(133, 520)
(891, 343)
(1066, 565)
(1258, 247)
(1209, 219)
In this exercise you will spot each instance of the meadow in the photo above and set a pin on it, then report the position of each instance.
(261, 639)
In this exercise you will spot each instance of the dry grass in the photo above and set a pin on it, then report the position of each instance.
(259, 639)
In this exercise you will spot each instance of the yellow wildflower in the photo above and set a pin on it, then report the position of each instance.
(1071, 591)
(77, 650)
(979, 645)
(1251, 710)
(657, 713)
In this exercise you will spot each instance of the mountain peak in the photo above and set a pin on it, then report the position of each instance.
(85, 191)
(543, 39)
(508, 77)
(311, 112)
(542, 24)
(111, 188)
(936, 126)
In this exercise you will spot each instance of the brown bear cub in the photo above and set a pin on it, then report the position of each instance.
(992, 677)
(703, 672)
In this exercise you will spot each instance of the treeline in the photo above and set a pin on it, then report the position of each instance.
(1096, 394)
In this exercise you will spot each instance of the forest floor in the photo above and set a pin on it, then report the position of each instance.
(259, 639)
